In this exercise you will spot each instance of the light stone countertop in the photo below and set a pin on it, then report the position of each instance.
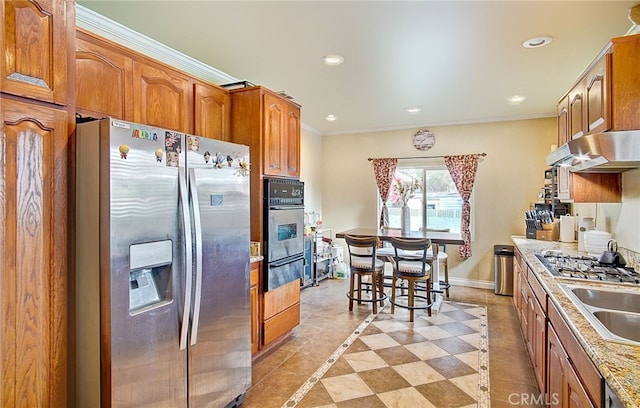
(619, 364)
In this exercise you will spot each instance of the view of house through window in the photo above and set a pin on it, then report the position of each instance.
(431, 195)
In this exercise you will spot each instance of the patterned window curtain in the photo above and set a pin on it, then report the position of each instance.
(384, 169)
(463, 172)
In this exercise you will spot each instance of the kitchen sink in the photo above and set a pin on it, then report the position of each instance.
(625, 325)
(615, 314)
(609, 299)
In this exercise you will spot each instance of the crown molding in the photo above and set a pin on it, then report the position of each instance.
(118, 33)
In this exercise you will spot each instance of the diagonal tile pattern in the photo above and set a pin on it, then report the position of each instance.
(326, 323)
(439, 361)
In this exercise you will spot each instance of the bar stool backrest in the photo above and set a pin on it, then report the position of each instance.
(362, 252)
(412, 253)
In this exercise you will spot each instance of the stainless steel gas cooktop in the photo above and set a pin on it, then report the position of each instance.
(586, 268)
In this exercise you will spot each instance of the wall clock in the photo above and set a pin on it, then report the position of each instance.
(424, 140)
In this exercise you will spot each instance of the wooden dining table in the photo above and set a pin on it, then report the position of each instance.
(437, 238)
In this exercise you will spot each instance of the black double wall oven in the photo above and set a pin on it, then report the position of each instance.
(283, 231)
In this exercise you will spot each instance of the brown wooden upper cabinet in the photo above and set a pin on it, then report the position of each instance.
(212, 112)
(162, 97)
(112, 80)
(563, 121)
(268, 121)
(606, 97)
(104, 79)
(35, 47)
(281, 137)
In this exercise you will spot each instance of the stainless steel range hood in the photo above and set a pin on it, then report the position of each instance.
(608, 152)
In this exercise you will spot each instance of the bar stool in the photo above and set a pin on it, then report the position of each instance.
(411, 265)
(364, 262)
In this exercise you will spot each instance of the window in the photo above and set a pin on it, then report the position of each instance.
(431, 195)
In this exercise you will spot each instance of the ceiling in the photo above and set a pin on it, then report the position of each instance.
(457, 60)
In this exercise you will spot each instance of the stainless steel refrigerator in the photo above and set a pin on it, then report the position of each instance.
(162, 268)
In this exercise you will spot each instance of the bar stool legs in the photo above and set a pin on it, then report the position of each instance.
(411, 295)
(377, 290)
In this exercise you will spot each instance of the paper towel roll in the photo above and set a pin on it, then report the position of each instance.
(567, 228)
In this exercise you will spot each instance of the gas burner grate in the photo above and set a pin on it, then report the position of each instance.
(587, 268)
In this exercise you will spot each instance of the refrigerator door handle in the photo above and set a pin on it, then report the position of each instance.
(188, 266)
(193, 191)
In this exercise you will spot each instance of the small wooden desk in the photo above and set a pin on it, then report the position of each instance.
(436, 237)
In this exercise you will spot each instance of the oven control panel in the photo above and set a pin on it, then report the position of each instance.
(284, 192)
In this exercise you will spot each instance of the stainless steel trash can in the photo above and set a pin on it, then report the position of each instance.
(503, 269)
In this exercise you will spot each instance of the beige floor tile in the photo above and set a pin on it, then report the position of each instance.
(379, 341)
(365, 360)
(468, 384)
(418, 373)
(407, 397)
(426, 351)
(346, 387)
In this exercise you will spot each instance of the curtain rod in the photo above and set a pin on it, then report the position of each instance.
(434, 157)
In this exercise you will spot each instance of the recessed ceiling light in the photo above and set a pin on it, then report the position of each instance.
(333, 59)
(515, 99)
(537, 42)
(331, 118)
(413, 109)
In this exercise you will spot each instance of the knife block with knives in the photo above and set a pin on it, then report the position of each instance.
(541, 225)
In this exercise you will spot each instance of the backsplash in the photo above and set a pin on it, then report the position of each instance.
(632, 258)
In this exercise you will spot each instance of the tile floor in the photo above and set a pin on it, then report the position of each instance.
(326, 323)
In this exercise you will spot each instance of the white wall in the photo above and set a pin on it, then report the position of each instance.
(507, 182)
(311, 169)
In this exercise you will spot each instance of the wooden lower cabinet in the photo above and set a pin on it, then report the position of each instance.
(564, 388)
(281, 311)
(536, 336)
(34, 290)
(256, 318)
(565, 374)
(571, 373)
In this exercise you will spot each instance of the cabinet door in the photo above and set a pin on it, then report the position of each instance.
(556, 376)
(564, 183)
(564, 388)
(35, 46)
(576, 111)
(292, 143)
(211, 110)
(597, 92)
(563, 121)
(161, 97)
(103, 80)
(33, 249)
(537, 341)
(274, 128)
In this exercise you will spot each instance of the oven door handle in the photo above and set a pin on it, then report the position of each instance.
(286, 261)
(286, 207)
